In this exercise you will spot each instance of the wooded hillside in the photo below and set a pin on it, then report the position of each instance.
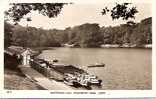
(85, 35)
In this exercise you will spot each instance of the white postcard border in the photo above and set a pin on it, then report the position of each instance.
(49, 93)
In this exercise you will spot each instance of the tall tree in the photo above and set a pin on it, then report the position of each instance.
(8, 34)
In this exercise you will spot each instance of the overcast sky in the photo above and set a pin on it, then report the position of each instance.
(77, 14)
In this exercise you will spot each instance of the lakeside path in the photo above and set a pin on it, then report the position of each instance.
(41, 80)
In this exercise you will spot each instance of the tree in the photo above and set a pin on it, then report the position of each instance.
(8, 34)
(19, 10)
(85, 35)
(123, 11)
(90, 35)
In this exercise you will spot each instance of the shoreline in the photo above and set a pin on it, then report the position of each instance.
(110, 47)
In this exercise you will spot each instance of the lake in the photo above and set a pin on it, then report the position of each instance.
(125, 69)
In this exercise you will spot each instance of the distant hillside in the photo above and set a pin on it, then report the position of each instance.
(85, 35)
(131, 33)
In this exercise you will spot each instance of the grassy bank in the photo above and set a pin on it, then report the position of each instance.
(15, 80)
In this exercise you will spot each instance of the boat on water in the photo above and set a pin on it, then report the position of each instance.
(96, 65)
(69, 74)
(85, 80)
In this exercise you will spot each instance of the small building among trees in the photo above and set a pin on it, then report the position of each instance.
(22, 54)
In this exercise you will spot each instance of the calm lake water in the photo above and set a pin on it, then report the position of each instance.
(124, 68)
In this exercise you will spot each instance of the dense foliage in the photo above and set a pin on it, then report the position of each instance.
(18, 11)
(85, 35)
(8, 34)
(130, 33)
(123, 11)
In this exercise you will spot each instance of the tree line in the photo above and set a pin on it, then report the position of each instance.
(85, 35)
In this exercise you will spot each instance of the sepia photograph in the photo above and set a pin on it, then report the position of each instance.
(78, 46)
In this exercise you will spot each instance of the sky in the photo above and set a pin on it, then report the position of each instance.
(77, 14)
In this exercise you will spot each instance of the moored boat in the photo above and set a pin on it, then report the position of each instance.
(69, 74)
